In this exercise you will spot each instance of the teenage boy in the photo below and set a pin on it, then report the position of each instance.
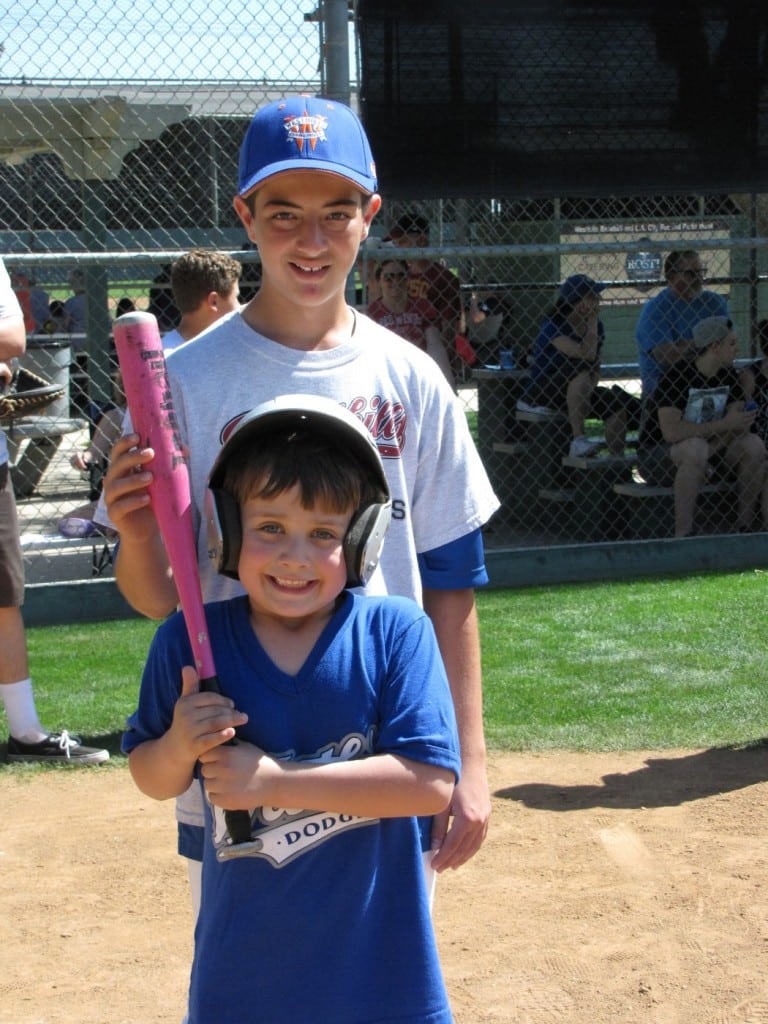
(345, 734)
(307, 197)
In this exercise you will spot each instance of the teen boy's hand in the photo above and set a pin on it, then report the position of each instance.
(125, 489)
(454, 616)
(141, 566)
(470, 811)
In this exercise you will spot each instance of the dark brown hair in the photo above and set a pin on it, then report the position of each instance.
(325, 473)
(198, 273)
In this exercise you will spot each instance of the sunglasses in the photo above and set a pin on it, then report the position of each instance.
(694, 272)
(393, 277)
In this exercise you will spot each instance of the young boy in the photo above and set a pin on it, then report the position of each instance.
(345, 733)
(307, 197)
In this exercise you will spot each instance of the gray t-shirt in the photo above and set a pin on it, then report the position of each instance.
(440, 491)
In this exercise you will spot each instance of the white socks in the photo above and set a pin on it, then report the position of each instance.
(19, 701)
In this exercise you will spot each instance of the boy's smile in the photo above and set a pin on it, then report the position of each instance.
(292, 559)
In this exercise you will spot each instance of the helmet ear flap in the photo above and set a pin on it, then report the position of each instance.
(225, 532)
(364, 540)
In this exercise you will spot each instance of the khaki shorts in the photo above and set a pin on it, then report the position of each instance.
(11, 562)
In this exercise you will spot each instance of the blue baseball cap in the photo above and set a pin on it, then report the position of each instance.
(306, 133)
(577, 286)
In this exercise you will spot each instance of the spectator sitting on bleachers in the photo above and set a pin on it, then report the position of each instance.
(33, 300)
(205, 286)
(754, 380)
(94, 460)
(125, 305)
(431, 280)
(413, 319)
(56, 321)
(565, 369)
(665, 329)
(696, 428)
(76, 305)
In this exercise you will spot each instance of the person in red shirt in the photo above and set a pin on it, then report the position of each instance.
(413, 319)
(430, 280)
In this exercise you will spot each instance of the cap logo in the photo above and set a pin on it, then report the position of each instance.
(306, 129)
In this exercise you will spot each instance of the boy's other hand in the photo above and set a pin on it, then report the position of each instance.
(239, 777)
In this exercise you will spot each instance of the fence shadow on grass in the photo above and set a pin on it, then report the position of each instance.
(661, 782)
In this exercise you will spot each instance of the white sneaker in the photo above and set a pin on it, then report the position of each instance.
(582, 447)
(523, 406)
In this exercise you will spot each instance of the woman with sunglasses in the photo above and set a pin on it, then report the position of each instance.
(414, 319)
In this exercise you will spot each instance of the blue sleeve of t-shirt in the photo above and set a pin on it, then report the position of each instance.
(652, 325)
(456, 565)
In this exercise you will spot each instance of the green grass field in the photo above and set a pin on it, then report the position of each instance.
(650, 664)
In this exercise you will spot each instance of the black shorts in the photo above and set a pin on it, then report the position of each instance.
(11, 562)
(604, 402)
(656, 467)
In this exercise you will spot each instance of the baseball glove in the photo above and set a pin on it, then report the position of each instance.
(27, 393)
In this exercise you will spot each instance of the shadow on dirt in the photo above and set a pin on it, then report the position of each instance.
(662, 782)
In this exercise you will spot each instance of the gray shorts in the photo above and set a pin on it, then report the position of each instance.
(11, 562)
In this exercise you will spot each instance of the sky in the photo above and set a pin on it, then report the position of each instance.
(166, 39)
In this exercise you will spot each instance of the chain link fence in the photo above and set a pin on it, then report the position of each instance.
(118, 151)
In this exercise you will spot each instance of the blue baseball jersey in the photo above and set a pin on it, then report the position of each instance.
(328, 918)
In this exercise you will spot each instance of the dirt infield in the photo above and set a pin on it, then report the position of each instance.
(621, 888)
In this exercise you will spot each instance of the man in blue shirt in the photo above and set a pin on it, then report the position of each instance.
(665, 329)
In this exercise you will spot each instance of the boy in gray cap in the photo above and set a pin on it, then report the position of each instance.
(697, 428)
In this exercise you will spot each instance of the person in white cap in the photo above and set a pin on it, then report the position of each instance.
(696, 428)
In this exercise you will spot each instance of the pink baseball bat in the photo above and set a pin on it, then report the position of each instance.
(150, 403)
(148, 394)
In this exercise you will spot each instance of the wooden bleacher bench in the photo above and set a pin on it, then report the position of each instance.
(642, 490)
(510, 447)
(43, 435)
(550, 416)
(558, 495)
(599, 462)
(71, 554)
(649, 509)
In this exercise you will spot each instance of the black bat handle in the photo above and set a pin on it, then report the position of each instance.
(238, 822)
